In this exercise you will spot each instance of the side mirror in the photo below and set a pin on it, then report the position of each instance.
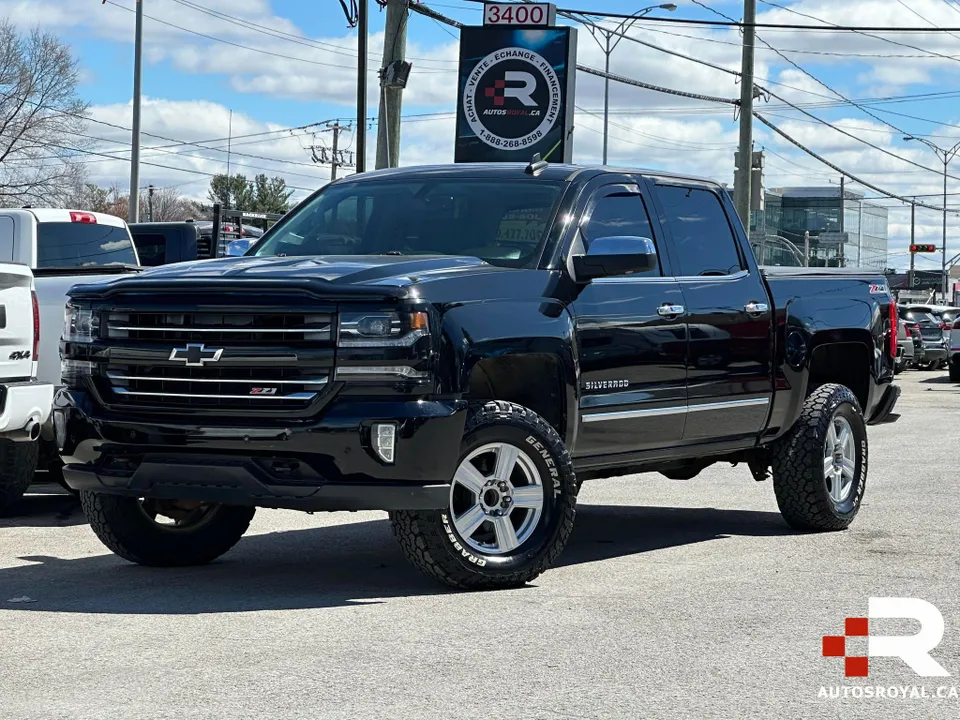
(613, 256)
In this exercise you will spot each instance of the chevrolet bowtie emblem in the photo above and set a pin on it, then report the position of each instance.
(196, 355)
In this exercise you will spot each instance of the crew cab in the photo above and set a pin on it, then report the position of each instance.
(61, 247)
(462, 346)
(24, 402)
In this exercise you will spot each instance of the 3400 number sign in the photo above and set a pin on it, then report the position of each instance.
(526, 14)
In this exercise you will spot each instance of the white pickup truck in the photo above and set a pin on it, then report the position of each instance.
(24, 401)
(63, 248)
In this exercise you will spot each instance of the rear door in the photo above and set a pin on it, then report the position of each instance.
(729, 321)
(631, 339)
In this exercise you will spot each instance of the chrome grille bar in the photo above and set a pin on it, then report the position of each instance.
(300, 396)
(246, 381)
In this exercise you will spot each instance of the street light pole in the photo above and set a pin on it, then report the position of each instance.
(608, 45)
(133, 209)
(945, 156)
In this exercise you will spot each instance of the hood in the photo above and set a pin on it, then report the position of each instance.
(349, 275)
(396, 271)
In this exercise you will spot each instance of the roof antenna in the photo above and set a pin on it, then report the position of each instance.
(536, 165)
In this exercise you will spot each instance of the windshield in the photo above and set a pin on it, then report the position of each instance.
(73, 244)
(500, 221)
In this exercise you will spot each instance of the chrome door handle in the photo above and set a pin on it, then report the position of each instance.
(755, 308)
(668, 310)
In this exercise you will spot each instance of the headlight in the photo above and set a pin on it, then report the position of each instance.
(382, 329)
(80, 324)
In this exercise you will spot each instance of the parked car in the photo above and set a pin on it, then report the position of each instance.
(162, 243)
(63, 247)
(954, 363)
(462, 348)
(935, 346)
(905, 346)
(945, 315)
(24, 401)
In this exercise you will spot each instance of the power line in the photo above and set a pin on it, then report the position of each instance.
(253, 49)
(829, 164)
(299, 39)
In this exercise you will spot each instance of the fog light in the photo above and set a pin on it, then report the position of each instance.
(384, 441)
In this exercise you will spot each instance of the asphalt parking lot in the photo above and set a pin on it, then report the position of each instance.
(674, 599)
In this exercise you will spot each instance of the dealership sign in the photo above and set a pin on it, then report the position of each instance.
(515, 94)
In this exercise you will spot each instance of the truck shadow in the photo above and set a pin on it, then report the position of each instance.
(334, 566)
(44, 507)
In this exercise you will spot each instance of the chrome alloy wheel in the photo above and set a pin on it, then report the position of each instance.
(496, 498)
(839, 459)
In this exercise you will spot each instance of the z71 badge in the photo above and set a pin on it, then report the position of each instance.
(878, 290)
(606, 384)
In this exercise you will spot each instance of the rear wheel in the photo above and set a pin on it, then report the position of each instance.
(165, 533)
(511, 508)
(18, 462)
(955, 372)
(820, 466)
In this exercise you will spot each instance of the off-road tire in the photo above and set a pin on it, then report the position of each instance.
(429, 539)
(18, 463)
(126, 530)
(955, 372)
(798, 475)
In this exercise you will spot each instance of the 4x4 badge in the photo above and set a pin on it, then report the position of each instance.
(196, 355)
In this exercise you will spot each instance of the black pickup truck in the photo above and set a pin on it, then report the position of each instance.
(462, 346)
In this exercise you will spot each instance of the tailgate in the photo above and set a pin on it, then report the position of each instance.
(16, 322)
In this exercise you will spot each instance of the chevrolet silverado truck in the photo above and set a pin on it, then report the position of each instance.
(462, 346)
(24, 402)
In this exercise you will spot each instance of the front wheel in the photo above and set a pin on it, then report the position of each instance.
(164, 533)
(820, 465)
(511, 508)
(955, 372)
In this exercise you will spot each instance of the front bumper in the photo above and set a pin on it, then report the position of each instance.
(327, 464)
(23, 402)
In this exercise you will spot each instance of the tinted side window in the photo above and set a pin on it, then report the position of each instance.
(151, 247)
(701, 234)
(621, 214)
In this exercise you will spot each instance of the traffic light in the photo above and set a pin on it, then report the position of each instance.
(923, 248)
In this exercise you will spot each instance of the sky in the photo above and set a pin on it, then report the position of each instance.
(279, 65)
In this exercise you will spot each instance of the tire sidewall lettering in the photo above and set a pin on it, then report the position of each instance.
(548, 460)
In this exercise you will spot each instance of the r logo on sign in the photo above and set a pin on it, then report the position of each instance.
(914, 650)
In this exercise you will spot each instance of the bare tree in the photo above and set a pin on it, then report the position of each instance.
(168, 205)
(41, 118)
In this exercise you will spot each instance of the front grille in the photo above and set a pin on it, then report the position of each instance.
(280, 328)
(277, 363)
(222, 388)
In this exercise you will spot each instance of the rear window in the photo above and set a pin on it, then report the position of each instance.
(82, 245)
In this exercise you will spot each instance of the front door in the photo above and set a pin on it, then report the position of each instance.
(729, 370)
(631, 340)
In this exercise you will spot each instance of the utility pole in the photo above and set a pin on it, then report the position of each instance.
(913, 255)
(391, 95)
(742, 187)
(361, 85)
(843, 210)
(334, 160)
(150, 202)
(133, 212)
(806, 248)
